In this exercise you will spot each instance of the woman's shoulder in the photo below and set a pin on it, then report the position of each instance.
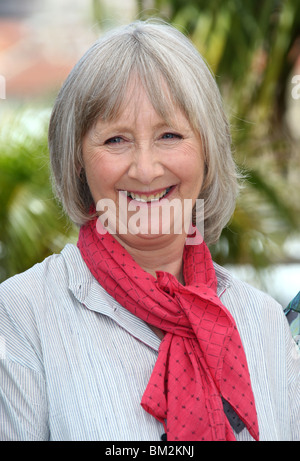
(54, 271)
(35, 297)
(237, 292)
(260, 318)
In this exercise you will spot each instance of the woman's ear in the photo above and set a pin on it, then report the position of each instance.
(80, 173)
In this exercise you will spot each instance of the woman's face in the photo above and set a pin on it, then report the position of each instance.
(143, 173)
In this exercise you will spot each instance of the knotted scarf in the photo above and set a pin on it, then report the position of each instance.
(201, 361)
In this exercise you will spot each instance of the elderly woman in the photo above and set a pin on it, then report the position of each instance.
(135, 334)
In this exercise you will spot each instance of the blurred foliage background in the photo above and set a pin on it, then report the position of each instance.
(253, 48)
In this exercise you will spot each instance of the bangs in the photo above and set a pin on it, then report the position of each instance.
(109, 93)
(111, 104)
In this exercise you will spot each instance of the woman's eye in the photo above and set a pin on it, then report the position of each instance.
(114, 140)
(171, 136)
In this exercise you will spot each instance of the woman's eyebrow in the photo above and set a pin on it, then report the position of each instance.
(125, 127)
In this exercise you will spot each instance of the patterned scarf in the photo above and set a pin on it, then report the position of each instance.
(201, 361)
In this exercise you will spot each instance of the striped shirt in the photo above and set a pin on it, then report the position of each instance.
(74, 363)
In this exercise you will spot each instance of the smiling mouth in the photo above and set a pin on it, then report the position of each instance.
(149, 197)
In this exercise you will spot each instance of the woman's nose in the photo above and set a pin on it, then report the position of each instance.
(146, 165)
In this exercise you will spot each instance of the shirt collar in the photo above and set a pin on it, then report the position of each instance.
(94, 297)
(224, 279)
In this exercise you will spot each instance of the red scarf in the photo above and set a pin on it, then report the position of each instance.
(201, 358)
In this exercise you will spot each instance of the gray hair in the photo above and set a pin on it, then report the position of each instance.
(96, 87)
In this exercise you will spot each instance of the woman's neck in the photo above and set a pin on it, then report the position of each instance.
(155, 256)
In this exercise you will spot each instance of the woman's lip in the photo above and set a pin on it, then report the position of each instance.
(148, 200)
(148, 193)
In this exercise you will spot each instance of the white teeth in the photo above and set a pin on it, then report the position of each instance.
(147, 198)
